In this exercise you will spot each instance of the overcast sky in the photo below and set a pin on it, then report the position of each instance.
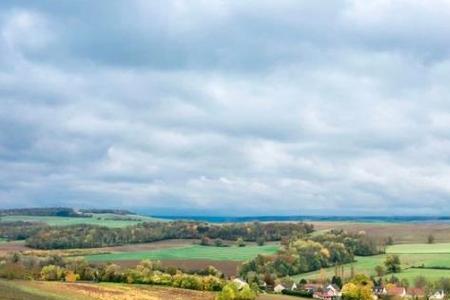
(226, 107)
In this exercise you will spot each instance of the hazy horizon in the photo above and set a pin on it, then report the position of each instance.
(226, 108)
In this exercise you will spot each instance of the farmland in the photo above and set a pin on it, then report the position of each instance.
(108, 220)
(187, 255)
(427, 256)
(401, 233)
(38, 290)
(419, 248)
(193, 252)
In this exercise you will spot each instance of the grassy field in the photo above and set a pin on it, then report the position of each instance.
(419, 248)
(98, 219)
(411, 255)
(190, 252)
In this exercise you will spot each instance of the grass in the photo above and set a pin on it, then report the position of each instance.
(190, 252)
(15, 290)
(429, 274)
(411, 255)
(419, 248)
(98, 219)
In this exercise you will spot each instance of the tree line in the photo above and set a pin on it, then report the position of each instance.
(56, 268)
(45, 211)
(19, 230)
(301, 255)
(93, 236)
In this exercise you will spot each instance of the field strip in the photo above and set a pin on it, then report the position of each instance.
(419, 248)
(190, 252)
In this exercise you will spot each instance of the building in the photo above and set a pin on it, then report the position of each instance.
(396, 291)
(416, 293)
(285, 286)
(438, 295)
(240, 283)
(329, 292)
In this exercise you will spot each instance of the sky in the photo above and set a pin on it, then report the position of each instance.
(226, 107)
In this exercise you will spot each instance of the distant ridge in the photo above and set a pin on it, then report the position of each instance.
(368, 219)
(61, 212)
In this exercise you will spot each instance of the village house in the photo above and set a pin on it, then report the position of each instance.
(416, 293)
(329, 292)
(379, 290)
(312, 287)
(240, 283)
(285, 286)
(438, 295)
(396, 291)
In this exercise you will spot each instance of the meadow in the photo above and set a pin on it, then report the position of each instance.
(108, 220)
(232, 253)
(419, 248)
(426, 256)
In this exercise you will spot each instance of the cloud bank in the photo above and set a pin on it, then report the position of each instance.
(226, 107)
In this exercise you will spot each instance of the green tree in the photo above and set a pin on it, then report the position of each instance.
(404, 283)
(430, 239)
(205, 241)
(260, 241)
(229, 292)
(420, 282)
(393, 264)
(389, 241)
(52, 273)
(240, 242)
(380, 270)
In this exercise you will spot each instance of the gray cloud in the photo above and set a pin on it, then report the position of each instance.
(216, 107)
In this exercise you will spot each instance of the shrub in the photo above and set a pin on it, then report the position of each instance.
(71, 276)
(231, 292)
(240, 242)
(52, 273)
(303, 294)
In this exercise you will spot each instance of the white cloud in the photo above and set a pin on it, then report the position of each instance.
(226, 108)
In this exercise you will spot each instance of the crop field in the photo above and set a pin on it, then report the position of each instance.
(38, 290)
(190, 252)
(99, 219)
(401, 233)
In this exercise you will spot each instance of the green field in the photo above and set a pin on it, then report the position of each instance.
(429, 274)
(411, 255)
(190, 252)
(98, 219)
(419, 248)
